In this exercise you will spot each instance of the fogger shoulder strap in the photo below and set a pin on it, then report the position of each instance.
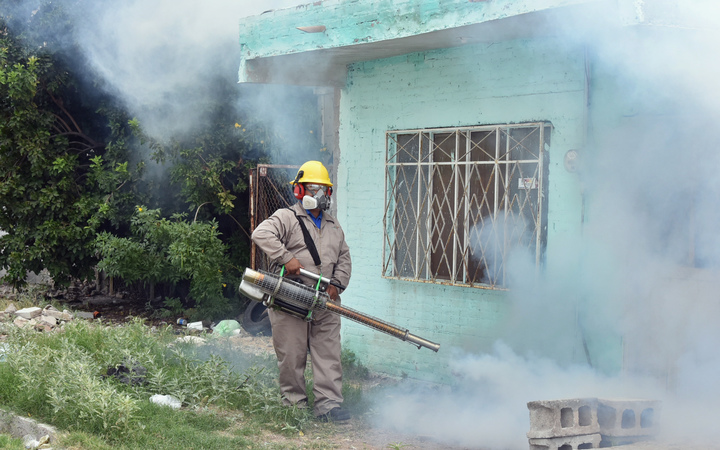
(309, 242)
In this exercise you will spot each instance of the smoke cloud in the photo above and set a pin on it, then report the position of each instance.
(631, 275)
(640, 278)
(164, 60)
(648, 186)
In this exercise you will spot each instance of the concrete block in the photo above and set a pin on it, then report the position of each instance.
(47, 320)
(566, 442)
(568, 417)
(29, 313)
(628, 417)
(56, 314)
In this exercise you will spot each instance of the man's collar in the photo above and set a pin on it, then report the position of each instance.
(312, 216)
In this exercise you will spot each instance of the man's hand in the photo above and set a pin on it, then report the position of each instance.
(332, 292)
(293, 267)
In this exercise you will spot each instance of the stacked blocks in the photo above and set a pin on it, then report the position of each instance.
(582, 423)
(564, 424)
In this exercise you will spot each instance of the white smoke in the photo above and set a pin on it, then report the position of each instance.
(620, 278)
(633, 280)
(486, 407)
(166, 59)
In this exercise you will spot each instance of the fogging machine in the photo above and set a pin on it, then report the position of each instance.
(291, 297)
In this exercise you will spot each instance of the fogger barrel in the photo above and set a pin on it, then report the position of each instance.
(298, 297)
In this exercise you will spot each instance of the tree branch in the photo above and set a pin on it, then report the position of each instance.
(62, 108)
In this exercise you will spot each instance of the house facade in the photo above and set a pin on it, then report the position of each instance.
(460, 130)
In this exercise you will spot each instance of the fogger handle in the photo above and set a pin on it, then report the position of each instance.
(321, 278)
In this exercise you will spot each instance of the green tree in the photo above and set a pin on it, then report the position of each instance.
(70, 158)
(58, 184)
(211, 166)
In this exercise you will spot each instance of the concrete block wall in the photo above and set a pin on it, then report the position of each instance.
(590, 422)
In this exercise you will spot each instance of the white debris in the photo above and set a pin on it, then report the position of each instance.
(192, 340)
(29, 313)
(166, 400)
(47, 320)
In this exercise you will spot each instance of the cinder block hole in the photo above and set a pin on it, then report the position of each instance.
(606, 416)
(646, 418)
(582, 446)
(566, 418)
(628, 419)
(565, 447)
(585, 416)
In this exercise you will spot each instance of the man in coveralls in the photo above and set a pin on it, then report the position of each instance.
(282, 239)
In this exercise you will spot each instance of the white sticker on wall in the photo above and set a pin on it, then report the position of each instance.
(527, 183)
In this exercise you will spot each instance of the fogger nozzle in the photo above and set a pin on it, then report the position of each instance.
(300, 296)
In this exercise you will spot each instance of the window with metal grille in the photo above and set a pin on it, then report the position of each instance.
(459, 200)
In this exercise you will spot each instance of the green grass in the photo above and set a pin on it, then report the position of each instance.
(229, 400)
(11, 443)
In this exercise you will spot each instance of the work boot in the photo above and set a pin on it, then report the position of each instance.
(337, 414)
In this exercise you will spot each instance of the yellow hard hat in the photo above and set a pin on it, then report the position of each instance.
(313, 172)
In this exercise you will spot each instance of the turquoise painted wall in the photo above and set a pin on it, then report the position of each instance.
(494, 83)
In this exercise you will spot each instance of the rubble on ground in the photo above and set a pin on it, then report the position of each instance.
(42, 319)
(76, 291)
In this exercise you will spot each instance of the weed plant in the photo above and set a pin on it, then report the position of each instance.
(62, 378)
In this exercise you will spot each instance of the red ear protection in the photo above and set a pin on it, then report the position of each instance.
(298, 191)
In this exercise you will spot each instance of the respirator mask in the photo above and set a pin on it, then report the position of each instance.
(316, 197)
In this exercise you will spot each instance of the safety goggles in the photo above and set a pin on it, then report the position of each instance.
(313, 188)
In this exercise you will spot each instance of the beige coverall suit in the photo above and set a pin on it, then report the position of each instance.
(280, 238)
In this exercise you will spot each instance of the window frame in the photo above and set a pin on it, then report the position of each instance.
(462, 202)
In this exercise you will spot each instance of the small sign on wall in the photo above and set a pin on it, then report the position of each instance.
(527, 183)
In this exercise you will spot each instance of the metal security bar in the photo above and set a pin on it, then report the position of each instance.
(269, 190)
(458, 200)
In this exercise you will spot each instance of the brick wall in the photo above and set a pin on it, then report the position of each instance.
(504, 82)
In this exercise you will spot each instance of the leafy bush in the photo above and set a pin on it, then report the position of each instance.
(162, 250)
